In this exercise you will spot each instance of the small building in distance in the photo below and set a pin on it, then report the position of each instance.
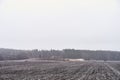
(74, 59)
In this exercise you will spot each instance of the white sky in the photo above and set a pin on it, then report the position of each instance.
(58, 24)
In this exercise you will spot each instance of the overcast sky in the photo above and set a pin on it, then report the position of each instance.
(59, 24)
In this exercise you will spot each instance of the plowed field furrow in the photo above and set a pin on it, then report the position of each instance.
(60, 71)
(101, 71)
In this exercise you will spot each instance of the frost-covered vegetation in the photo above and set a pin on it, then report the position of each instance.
(12, 54)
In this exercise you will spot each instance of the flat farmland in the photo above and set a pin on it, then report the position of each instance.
(59, 70)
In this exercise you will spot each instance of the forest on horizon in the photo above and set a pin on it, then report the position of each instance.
(12, 54)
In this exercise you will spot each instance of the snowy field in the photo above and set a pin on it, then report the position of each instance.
(59, 70)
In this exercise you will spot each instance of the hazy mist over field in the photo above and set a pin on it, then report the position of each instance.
(58, 24)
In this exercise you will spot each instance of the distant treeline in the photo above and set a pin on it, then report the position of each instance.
(12, 54)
